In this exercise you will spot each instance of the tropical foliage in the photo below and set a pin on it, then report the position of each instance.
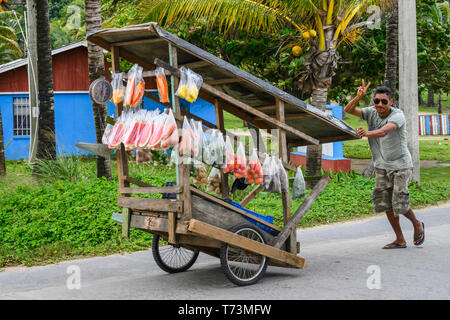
(9, 42)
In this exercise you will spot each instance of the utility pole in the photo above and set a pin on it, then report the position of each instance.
(32, 77)
(408, 91)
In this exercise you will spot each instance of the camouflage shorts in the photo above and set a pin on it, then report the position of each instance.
(391, 191)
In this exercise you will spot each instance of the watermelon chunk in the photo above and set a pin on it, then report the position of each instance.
(117, 134)
(146, 133)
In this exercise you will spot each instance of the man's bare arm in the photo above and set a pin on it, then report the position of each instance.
(351, 106)
(377, 133)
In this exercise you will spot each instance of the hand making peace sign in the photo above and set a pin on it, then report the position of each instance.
(362, 90)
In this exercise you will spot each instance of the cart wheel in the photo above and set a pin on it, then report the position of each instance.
(172, 259)
(240, 266)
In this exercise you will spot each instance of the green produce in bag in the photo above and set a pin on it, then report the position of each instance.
(299, 186)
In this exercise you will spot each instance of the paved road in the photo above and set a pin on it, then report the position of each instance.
(344, 261)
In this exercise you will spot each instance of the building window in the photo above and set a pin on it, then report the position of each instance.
(21, 114)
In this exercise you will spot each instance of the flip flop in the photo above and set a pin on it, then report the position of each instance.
(422, 234)
(396, 246)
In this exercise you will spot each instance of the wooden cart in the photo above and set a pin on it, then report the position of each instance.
(191, 220)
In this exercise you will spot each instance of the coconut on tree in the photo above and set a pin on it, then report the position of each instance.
(322, 26)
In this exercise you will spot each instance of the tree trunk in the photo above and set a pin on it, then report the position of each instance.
(2, 151)
(96, 61)
(46, 148)
(391, 69)
(430, 101)
(314, 152)
(439, 103)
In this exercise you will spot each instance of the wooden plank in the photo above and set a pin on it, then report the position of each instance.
(251, 195)
(122, 159)
(141, 41)
(224, 187)
(149, 204)
(150, 190)
(172, 220)
(285, 195)
(233, 239)
(126, 216)
(264, 108)
(223, 81)
(233, 208)
(242, 105)
(301, 211)
(137, 182)
(298, 116)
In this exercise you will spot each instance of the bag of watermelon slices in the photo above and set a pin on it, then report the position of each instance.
(118, 131)
(158, 129)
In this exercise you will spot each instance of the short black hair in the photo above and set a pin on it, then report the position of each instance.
(384, 89)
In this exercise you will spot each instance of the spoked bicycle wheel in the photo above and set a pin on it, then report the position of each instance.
(240, 266)
(172, 259)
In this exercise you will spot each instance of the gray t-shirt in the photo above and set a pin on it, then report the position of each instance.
(391, 151)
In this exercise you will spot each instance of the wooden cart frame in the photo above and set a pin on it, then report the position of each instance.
(197, 220)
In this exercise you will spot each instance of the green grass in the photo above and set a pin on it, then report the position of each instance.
(57, 220)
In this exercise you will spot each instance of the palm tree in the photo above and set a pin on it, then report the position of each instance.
(322, 26)
(46, 148)
(96, 61)
(9, 44)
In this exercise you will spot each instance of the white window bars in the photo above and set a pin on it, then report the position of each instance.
(21, 115)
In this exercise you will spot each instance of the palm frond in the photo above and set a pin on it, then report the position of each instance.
(11, 45)
(250, 15)
(8, 32)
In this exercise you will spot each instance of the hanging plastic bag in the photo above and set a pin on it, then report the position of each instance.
(209, 150)
(183, 85)
(187, 139)
(119, 130)
(131, 84)
(284, 179)
(117, 85)
(299, 185)
(194, 83)
(147, 129)
(202, 177)
(170, 133)
(230, 156)
(158, 128)
(107, 134)
(214, 181)
(240, 163)
(198, 141)
(130, 131)
(254, 173)
(271, 175)
(161, 83)
(139, 89)
(143, 155)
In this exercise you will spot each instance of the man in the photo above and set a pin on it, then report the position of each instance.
(392, 161)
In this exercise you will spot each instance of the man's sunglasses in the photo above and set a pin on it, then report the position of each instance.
(383, 101)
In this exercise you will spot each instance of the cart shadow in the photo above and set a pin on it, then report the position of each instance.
(211, 276)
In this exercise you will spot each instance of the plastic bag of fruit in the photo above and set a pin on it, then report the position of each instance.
(254, 173)
(299, 185)
(240, 162)
(214, 181)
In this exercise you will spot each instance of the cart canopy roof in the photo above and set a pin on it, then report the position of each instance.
(144, 43)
